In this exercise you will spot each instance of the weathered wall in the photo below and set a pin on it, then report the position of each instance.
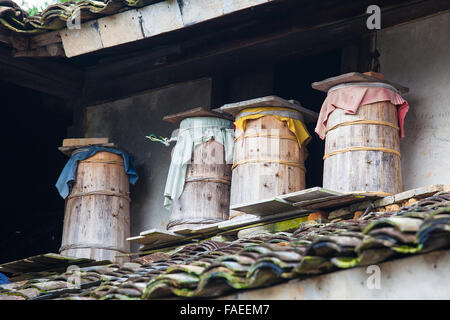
(127, 122)
(417, 55)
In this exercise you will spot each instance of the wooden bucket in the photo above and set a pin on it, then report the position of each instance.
(206, 194)
(362, 151)
(267, 161)
(97, 215)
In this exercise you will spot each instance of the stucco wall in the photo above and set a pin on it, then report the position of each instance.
(127, 122)
(417, 55)
(421, 277)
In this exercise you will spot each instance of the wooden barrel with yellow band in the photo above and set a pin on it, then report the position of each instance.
(97, 215)
(206, 194)
(362, 151)
(268, 161)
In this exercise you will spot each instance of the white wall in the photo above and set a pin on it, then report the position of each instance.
(417, 55)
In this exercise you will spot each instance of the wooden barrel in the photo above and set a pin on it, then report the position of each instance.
(97, 215)
(206, 194)
(267, 161)
(362, 151)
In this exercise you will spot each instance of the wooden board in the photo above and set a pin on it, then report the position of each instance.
(69, 145)
(84, 141)
(196, 112)
(154, 236)
(46, 262)
(224, 228)
(308, 194)
(269, 101)
(330, 202)
(264, 207)
(326, 84)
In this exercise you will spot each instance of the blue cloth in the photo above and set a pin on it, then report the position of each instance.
(3, 279)
(67, 177)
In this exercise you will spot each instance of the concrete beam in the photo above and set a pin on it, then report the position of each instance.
(146, 22)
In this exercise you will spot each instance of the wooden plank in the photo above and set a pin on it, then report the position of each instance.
(83, 141)
(330, 202)
(226, 227)
(45, 39)
(44, 262)
(351, 77)
(196, 112)
(308, 194)
(269, 101)
(68, 150)
(263, 207)
(155, 236)
(55, 78)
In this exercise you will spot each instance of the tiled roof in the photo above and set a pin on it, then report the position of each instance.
(54, 17)
(211, 268)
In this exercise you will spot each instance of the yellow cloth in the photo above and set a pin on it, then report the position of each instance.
(295, 126)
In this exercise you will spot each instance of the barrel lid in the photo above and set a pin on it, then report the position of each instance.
(270, 101)
(352, 77)
(73, 144)
(196, 112)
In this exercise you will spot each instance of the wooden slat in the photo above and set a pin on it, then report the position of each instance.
(263, 207)
(155, 236)
(330, 202)
(69, 145)
(269, 101)
(308, 194)
(55, 78)
(84, 141)
(350, 77)
(196, 112)
(44, 262)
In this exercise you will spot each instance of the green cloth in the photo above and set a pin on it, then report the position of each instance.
(195, 131)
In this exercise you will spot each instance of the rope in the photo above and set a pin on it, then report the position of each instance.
(266, 135)
(292, 114)
(90, 246)
(163, 140)
(205, 179)
(362, 149)
(289, 163)
(375, 193)
(363, 84)
(100, 193)
(120, 163)
(361, 121)
(188, 220)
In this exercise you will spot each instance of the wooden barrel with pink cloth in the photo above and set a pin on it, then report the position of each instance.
(362, 124)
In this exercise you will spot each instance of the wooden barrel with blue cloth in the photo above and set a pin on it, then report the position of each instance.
(97, 214)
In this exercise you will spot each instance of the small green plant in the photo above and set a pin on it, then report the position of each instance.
(36, 9)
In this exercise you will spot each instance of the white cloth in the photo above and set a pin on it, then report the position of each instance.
(195, 131)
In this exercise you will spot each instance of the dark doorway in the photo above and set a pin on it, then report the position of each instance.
(33, 126)
(293, 81)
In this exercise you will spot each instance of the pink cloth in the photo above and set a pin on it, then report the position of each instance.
(350, 98)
